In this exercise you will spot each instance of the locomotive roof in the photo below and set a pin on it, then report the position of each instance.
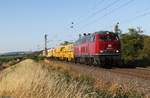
(103, 32)
(90, 35)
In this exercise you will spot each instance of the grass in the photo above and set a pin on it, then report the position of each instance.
(30, 79)
(104, 88)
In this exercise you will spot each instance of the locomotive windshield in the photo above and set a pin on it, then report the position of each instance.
(109, 37)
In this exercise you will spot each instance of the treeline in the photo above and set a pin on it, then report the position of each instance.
(19, 57)
(135, 47)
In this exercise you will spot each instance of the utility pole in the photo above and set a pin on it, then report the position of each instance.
(45, 38)
(116, 28)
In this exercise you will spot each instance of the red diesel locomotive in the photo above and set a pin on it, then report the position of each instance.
(100, 48)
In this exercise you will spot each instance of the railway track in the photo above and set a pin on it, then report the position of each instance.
(143, 73)
(136, 72)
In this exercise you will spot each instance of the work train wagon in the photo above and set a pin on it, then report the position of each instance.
(63, 52)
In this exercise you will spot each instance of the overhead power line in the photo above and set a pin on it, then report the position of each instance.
(110, 12)
(103, 9)
(132, 19)
(99, 11)
(98, 4)
(137, 17)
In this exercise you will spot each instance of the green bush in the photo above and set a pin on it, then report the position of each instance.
(135, 46)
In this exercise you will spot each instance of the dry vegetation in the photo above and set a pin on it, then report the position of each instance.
(29, 79)
(104, 80)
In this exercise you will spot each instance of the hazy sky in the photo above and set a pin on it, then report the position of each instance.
(23, 23)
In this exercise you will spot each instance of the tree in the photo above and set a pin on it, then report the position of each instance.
(145, 53)
(65, 43)
(132, 44)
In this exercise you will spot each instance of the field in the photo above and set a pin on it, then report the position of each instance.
(30, 79)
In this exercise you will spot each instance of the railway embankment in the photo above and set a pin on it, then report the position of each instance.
(54, 79)
(127, 79)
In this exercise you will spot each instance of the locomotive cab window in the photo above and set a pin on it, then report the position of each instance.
(108, 37)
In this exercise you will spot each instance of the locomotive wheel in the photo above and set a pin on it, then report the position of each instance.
(79, 60)
(86, 60)
(76, 60)
(91, 61)
(95, 62)
(67, 60)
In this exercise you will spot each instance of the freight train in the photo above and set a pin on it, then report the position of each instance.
(101, 48)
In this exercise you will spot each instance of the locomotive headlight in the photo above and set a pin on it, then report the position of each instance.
(117, 51)
(101, 51)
